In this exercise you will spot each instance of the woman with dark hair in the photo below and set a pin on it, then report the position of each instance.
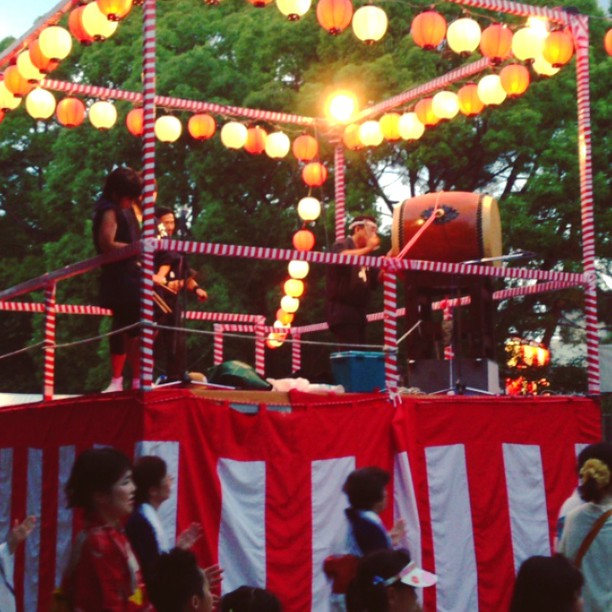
(386, 581)
(103, 573)
(250, 599)
(587, 536)
(547, 584)
(144, 528)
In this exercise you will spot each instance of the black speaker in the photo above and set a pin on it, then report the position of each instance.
(467, 376)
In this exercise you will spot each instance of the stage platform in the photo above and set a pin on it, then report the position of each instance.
(479, 480)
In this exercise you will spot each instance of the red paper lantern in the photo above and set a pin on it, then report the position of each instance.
(514, 79)
(608, 42)
(15, 83)
(428, 29)
(75, 25)
(558, 48)
(115, 10)
(256, 140)
(496, 43)
(135, 122)
(334, 15)
(470, 103)
(303, 240)
(314, 174)
(201, 126)
(424, 111)
(259, 3)
(305, 147)
(41, 61)
(70, 112)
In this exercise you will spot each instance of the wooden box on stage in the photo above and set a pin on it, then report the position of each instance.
(432, 375)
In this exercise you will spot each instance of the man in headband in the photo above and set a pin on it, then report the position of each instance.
(349, 287)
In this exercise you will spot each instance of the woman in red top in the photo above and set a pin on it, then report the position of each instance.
(103, 574)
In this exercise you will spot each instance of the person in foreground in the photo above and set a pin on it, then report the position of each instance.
(386, 581)
(103, 574)
(547, 584)
(179, 585)
(587, 535)
(17, 536)
(250, 599)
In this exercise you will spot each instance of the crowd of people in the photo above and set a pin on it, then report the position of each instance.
(123, 560)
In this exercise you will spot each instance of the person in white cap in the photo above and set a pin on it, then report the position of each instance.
(386, 581)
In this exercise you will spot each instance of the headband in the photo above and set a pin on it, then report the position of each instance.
(365, 222)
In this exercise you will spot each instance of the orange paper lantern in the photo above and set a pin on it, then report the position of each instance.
(286, 318)
(41, 61)
(496, 43)
(424, 111)
(428, 29)
(201, 126)
(70, 112)
(115, 10)
(558, 48)
(76, 27)
(135, 122)
(608, 42)
(15, 83)
(470, 103)
(314, 174)
(334, 15)
(256, 140)
(303, 240)
(305, 147)
(514, 79)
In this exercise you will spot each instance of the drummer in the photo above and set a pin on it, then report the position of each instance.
(349, 287)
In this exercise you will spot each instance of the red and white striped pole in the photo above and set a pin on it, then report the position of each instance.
(579, 26)
(218, 344)
(49, 348)
(390, 329)
(260, 346)
(148, 162)
(296, 352)
(339, 188)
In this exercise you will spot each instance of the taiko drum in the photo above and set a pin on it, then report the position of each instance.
(467, 227)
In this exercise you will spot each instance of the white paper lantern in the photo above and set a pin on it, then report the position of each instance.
(102, 115)
(234, 135)
(55, 42)
(370, 134)
(40, 103)
(293, 9)
(298, 269)
(8, 101)
(309, 209)
(410, 126)
(491, 91)
(370, 23)
(96, 23)
(463, 35)
(27, 69)
(445, 104)
(277, 145)
(168, 128)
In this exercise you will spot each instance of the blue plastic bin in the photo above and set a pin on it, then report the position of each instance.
(359, 371)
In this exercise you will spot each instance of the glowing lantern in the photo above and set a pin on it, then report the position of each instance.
(340, 107)
(290, 304)
(469, 102)
(274, 340)
(334, 15)
(428, 29)
(294, 287)
(463, 35)
(293, 9)
(424, 112)
(7, 100)
(297, 269)
(259, 3)
(370, 134)
(40, 60)
(389, 126)
(370, 24)
(314, 174)
(70, 112)
(15, 83)
(135, 122)
(233, 135)
(305, 147)
(496, 43)
(527, 44)
(256, 140)
(445, 104)
(55, 42)
(544, 68)
(76, 27)
(350, 137)
(285, 318)
(40, 103)
(410, 126)
(514, 79)
(608, 42)
(490, 90)
(558, 48)
(115, 10)
(168, 128)
(96, 23)
(303, 240)
(309, 209)
(277, 145)
(27, 69)
(102, 114)
(201, 126)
